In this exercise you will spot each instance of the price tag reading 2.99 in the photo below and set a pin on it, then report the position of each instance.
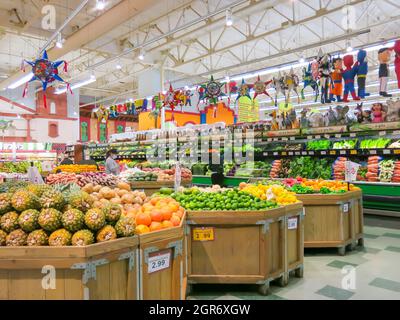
(159, 261)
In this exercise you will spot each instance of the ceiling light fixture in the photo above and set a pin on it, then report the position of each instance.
(21, 81)
(77, 85)
(349, 48)
(59, 42)
(141, 54)
(228, 18)
(302, 60)
(118, 66)
(100, 4)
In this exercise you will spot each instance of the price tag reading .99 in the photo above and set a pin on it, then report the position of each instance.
(203, 234)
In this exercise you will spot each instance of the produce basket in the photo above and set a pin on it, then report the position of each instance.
(242, 246)
(162, 264)
(333, 220)
(107, 270)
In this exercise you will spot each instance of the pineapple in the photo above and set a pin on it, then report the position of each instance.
(23, 200)
(52, 199)
(73, 220)
(113, 212)
(37, 238)
(106, 233)
(38, 189)
(16, 238)
(50, 219)
(5, 203)
(125, 227)
(95, 219)
(28, 220)
(79, 199)
(9, 221)
(82, 238)
(60, 237)
(3, 236)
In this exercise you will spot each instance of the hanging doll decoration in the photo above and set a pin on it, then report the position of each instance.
(102, 114)
(396, 49)
(362, 71)
(170, 101)
(337, 80)
(188, 98)
(384, 59)
(260, 87)
(45, 71)
(202, 93)
(291, 83)
(279, 85)
(308, 80)
(231, 88)
(324, 69)
(378, 113)
(348, 75)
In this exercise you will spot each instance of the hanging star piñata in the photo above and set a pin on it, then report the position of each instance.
(170, 100)
(45, 71)
(213, 91)
(244, 91)
(260, 87)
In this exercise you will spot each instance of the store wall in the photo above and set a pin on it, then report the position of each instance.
(146, 121)
(222, 114)
(67, 130)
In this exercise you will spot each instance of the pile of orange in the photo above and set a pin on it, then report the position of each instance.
(157, 214)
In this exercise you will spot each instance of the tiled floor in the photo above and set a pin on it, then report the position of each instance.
(372, 272)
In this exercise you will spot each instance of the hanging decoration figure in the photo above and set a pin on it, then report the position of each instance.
(348, 76)
(170, 100)
(362, 73)
(244, 91)
(337, 80)
(324, 69)
(45, 71)
(384, 59)
(309, 80)
(260, 87)
(396, 49)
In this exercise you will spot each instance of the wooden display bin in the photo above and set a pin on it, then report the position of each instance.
(107, 270)
(237, 247)
(162, 264)
(333, 220)
(151, 187)
(294, 229)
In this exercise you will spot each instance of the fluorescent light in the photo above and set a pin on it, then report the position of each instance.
(77, 85)
(59, 42)
(228, 18)
(302, 60)
(100, 5)
(141, 54)
(118, 66)
(21, 81)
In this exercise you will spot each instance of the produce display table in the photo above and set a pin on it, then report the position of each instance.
(107, 270)
(253, 247)
(333, 220)
(162, 264)
(151, 187)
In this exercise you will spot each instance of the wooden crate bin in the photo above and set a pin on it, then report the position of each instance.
(107, 270)
(236, 247)
(162, 264)
(333, 220)
(294, 246)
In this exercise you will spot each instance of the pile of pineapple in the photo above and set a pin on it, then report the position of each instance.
(41, 215)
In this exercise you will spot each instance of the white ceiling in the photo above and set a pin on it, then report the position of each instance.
(265, 33)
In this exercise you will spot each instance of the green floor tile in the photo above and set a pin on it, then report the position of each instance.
(370, 250)
(340, 264)
(370, 236)
(335, 293)
(393, 249)
(386, 284)
(391, 235)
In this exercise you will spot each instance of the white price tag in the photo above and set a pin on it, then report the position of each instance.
(265, 154)
(318, 137)
(386, 151)
(304, 153)
(290, 153)
(397, 132)
(352, 135)
(342, 151)
(372, 151)
(311, 153)
(338, 135)
(345, 207)
(327, 136)
(269, 139)
(275, 153)
(285, 139)
(382, 133)
(297, 153)
(159, 261)
(292, 223)
(292, 138)
(323, 152)
(309, 137)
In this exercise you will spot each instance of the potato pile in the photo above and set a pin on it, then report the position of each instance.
(121, 194)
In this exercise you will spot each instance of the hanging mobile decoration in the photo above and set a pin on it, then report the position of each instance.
(45, 71)
(260, 87)
(213, 92)
(244, 91)
(170, 100)
(102, 114)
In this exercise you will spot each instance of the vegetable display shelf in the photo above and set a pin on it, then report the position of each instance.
(107, 270)
(257, 246)
(333, 220)
(374, 193)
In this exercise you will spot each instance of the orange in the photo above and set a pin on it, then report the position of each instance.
(156, 215)
(166, 213)
(147, 207)
(141, 228)
(174, 206)
(155, 226)
(167, 224)
(154, 200)
(175, 220)
(143, 218)
(178, 214)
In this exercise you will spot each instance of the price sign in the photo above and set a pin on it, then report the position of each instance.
(269, 139)
(352, 135)
(332, 152)
(353, 151)
(275, 153)
(284, 153)
(309, 137)
(203, 234)
(159, 261)
(345, 207)
(297, 153)
(372, 151)
(382, 133)
(318, 137)
(285, 139)
(311, 153)
(265, 154)
(338, 135)
(351, 169)
(323, 152)
(304, 153)
(397, 132)
(386, 151)
(327, 136)
(397, 151)
(292, 138)
(290, 153)
(342, 151)
(292, 223)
